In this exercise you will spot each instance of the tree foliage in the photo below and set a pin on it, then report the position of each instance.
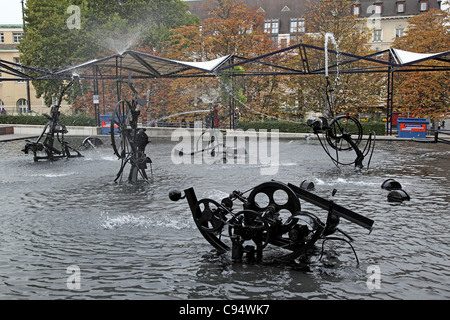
(106, 27)
(352, 93)
(229, 28)
(425, 94)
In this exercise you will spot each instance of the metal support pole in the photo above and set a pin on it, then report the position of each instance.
(96, 98)
(28, 81)
(390, 101)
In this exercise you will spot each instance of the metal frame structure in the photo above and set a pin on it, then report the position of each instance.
(297, 60)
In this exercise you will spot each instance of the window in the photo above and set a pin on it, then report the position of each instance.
(423, 5)
(17, 37)
(297, 25)
(377, 35)
(244, 31)
(275, 41)
(378, 8)
(356, 9)
(401, 7)
(271, 26)
(18, 68)
(399, 32)
(2, 37)
(22, 106)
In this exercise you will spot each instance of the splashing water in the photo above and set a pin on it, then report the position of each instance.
(330, 36)
(181, 114)
(120, 44)
(239, 102)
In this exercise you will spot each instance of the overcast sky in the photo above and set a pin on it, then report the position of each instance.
(11, 12)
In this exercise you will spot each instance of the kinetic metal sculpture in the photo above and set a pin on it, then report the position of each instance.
(343, 134)
(270, 214)
(53, 132)
(132, 140)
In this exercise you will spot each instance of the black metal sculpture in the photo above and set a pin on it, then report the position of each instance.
(130, 147)
(342, 133)
(270, 214)
(53, 132)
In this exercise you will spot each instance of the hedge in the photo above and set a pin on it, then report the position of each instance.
(89, 121)
(68, 120)
(284, 126)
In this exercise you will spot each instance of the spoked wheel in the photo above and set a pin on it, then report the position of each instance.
(342, 128)
(120, 122)
(209, 216)
(279, 197)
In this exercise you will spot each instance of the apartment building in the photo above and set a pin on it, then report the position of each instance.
(385, 19)
(18, 97)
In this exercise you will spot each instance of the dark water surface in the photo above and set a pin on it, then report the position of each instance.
(132, 242)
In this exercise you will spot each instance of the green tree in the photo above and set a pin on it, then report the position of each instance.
(425, 94)
(105, 27)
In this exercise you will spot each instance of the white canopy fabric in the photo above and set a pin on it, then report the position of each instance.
(142, 65)
(149, 66)
(407, 57)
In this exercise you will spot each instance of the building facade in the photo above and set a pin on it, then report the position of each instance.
(385, 19)
(18, 97)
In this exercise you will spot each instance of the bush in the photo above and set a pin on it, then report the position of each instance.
(378, 127)
(284, 126)
(68, 120)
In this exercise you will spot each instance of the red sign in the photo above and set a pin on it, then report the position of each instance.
(413, 127)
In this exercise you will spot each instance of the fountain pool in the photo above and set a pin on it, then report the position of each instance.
(132, 242)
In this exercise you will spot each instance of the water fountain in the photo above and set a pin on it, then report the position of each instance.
(342, 133)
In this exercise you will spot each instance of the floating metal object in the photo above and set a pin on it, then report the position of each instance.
(250, 229)
(391, 184)
(91, 143)
(53, 132)
(396, 193)
(307, 185)
(398, 196)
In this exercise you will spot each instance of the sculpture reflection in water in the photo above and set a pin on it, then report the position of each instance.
(271, 214)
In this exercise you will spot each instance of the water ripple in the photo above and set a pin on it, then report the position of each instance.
(132, 242)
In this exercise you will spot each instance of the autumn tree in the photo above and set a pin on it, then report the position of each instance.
(425, 94)
(229, 28)
(352, 93)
